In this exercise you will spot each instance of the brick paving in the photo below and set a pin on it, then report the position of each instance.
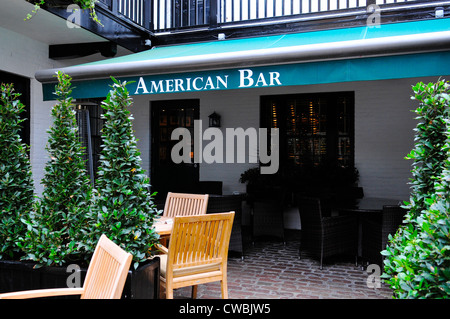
(272, 270)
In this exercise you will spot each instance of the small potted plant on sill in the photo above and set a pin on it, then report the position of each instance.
(83, 4)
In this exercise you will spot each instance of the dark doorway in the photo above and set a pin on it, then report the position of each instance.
(22, 86)
(167, 176)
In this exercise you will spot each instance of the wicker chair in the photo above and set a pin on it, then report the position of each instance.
(376, 230)
(227, 203)
(266, 207)
(325, 236)
(268, 219)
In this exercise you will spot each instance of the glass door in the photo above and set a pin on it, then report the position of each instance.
(167, 176)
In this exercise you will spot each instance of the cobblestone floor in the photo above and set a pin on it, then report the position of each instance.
(272, 270)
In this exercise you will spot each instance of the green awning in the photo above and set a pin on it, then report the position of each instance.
(389, 51)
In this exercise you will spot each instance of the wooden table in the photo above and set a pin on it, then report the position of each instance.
(370, 205)
(163, 225)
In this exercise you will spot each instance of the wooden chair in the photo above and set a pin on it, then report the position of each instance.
(198, 252)
(179, 204)
(105, 277)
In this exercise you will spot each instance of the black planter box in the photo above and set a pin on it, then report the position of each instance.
(141, 283)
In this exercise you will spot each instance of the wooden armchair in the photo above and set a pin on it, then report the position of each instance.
(179, 204)
(198, 252)
(105, 277)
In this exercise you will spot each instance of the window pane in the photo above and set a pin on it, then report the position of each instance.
(315, 129)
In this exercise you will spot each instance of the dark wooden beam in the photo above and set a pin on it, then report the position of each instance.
(78, 50)
(113, 28)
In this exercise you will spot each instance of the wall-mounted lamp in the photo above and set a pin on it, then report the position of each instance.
(214, 120)
(439, 12)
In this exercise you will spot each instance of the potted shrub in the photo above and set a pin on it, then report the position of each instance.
(16, 184)
(124, 205)
(418, 256)
(65, 226)
(54, 227)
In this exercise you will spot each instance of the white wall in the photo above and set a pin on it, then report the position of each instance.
(384, 135)
(384, 124)
(383, 120)
(24, 56)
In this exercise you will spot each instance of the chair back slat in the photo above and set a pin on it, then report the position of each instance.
(179, 204)
(107, 272)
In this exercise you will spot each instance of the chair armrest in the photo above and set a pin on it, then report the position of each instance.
(162, 248)
(39, 293)
(339, 220)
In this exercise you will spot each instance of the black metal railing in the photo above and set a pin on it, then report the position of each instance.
(135, 11)
(168, 15)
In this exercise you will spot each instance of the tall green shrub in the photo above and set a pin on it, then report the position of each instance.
(55, 228)
(16, 183)
(417, 263)
(124, 208)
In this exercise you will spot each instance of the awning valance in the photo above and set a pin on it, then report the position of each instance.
(408, 49)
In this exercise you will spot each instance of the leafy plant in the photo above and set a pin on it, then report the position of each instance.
(124, 209)
(251, 175)
(55, 227)
(84, 4)
(417, 263)
(16, 183)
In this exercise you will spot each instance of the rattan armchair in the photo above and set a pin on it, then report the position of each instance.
(267, 213)
(325, 236)
(376, 230)
(228, 203)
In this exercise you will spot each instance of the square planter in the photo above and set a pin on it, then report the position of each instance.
(141, 283)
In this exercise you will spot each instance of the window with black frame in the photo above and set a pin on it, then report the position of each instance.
(316, 130)
(90, 126)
